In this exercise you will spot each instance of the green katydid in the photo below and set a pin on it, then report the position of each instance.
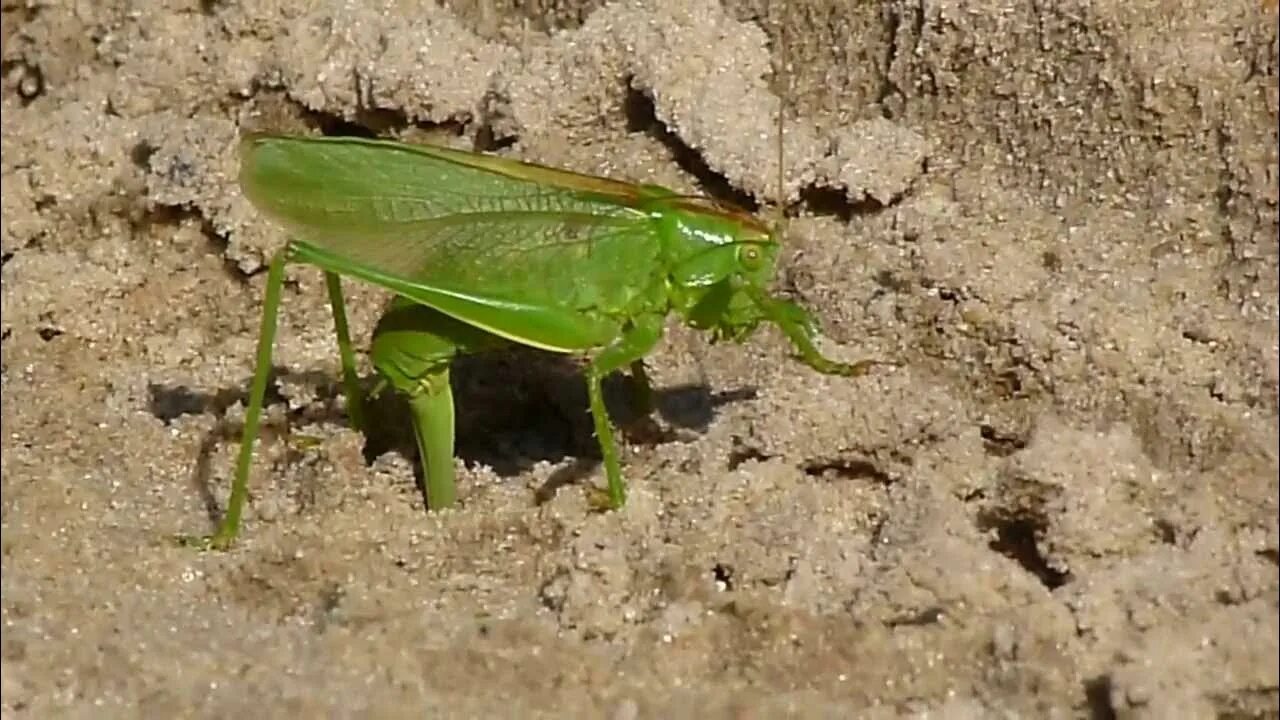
(482, 252)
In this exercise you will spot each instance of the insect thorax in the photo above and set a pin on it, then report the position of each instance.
(712, 256)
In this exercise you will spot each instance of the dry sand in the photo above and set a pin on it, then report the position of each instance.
(1060, 219)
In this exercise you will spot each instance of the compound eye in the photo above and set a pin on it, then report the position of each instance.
(750, 257)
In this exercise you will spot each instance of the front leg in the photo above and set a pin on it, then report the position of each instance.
(797, 324)
(635, 342)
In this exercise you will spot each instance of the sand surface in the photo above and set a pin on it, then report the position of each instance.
(1059, 220)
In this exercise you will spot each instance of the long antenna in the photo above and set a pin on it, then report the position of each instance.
(784, 90)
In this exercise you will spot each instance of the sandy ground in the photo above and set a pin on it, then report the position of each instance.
(1059, 219)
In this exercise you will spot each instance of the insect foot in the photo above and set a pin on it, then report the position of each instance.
(218, 541)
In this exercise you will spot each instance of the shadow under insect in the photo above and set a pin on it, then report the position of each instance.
(515, 407)
(519, 406)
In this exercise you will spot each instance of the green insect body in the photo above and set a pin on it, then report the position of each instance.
(482, 252)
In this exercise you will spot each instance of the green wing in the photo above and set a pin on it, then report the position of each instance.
(489, 231)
